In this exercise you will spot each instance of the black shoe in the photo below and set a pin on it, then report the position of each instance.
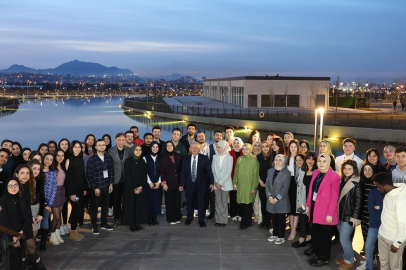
(150, 221)
(261, 225)
(210, 216)
(36, 261)
(138, 227)
(297, 244)
(155, 220)
(222, 225)
(243, 227)
(309, 251)
(188, 221)
(202, 224)
(96, 230)
(312, 259)
(116, 223)
(132, 228)
(217, 224)
(362, 252)
(318, 263)
(106, 227)
(44, 238)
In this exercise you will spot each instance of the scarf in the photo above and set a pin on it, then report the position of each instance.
(250, 149)
(173, 151)
(241, 143)
(150, 148)
(224, 148)
(132, 151)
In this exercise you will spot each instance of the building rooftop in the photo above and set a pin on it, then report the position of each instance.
(271, 78)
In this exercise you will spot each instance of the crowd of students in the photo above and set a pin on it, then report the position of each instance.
(274, 179)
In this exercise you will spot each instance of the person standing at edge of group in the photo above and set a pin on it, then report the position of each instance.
(278, 204)
(349, 210)
(229, 133)
(4, 155)
(349, 153)
(100, 174)
(153, 190)
(134, 200)
(8, 168)
(392, 232)
(129, 138)
(264, 160)
(195, 178)
(170, 173)
(222, 166)
(76, 187)
(293, 150)
(245, 182)
(137, 139)
(236, 152)
(189, 137)
(119, 154)
(179, 147)
(389, 154)
(321, 208)
(399, 173)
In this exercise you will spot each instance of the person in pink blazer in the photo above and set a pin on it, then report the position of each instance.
(321, 208)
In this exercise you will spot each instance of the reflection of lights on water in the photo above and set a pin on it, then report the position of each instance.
(84, 103)
(41, 103)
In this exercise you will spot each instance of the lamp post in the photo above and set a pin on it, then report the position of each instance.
(321, 111)
(315, 131)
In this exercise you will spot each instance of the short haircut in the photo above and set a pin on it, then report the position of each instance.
(350, 140)
(6, 140)
(5, 150)
(98, 140)
(383, 178)
(120, 134)
(134, 127)
(200, 131)
(289, 133)
(218, 131)
(176, 129)
(400, 149)
(156, 127)
(389, 146)
(128, 132)
(229, 127)
(148, 134)
(191, 125)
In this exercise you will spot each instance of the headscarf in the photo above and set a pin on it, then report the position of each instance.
(328, 144)
(283, 159)
(224, 148)
(327, 157)
(260, 148)
(173, 151)
(150, 148)
(12, 206)
(373, 167)
(241, 143)
(133, 149)
(249, 148)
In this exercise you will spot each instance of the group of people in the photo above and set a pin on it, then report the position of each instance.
(273, 180)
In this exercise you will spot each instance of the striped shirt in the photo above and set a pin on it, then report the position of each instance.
(368, 185)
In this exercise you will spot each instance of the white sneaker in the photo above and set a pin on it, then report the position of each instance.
(239, 218)
(53, 239)
(195, 213)
(61, 230)
(65, 229)
(177, 222)
(110, 214)
(173, 223)
(58, 236)
(272, 238)
(207, 213)
(279, 241)
(362, 265)
(259, 219)
(234, 218)
(271, 230)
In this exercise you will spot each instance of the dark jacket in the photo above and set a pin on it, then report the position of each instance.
(95, 168)
(119, 164)
(76, 182)
(170, 172)
(264, 166)
(204, 174)
(350, 201)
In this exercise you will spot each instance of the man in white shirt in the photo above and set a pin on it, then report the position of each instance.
(349, 153)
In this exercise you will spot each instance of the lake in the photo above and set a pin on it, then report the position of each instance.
(38, 121)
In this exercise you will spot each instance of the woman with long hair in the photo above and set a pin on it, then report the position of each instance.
(321, 208)
(304, 147)
(222, 166)
(235, 153)
(349, 210)
(254, 137)
(52, 146)
(25, 152)
(373, 158)
(107, 139)
(60, 157)
(293, 151)
(264, 165)
(154, 191)
(64, 144)
(76, 187)
(277, 148)
(16, 154)
(326, 148)
(89, 144)
(270, 137)
(170, 168)
(36, 155)
(287, 137)
(277, 191)
(246, 183)
(42, 149)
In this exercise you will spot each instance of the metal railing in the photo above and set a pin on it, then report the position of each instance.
(288, 115)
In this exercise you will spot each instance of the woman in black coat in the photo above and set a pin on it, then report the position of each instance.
(134, 199)
(264, 160)
(170, 167)
(153, 190)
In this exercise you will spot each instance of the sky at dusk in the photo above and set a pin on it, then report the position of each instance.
(212, 38)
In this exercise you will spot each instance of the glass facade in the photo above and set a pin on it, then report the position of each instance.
(213, 92)
(224, 93)
(287, 100)
(252, 101)
(266, 101)
(237, 95)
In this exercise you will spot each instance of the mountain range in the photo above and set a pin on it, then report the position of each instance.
(75, 67)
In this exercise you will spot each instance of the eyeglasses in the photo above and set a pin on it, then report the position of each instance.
(12, 186)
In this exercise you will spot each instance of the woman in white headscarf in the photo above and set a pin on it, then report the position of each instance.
(222, 167)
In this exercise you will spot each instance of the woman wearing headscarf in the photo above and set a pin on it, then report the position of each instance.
(321, 208)
(326, 148)
(256, 150)
(154, 191)
(222, 167)
(134, 199)
(15, 215)
(170, 168)
(235, 153)
(278, 204)
(246, 183)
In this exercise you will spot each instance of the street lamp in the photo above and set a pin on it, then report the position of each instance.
(321, 111)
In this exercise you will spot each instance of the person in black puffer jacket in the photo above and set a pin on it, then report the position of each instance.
(349, 209)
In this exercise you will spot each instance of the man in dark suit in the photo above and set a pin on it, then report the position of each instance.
(196, 177)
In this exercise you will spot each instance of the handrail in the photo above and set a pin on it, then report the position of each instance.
(11, 232)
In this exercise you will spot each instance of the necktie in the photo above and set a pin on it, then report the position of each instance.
(194, 170)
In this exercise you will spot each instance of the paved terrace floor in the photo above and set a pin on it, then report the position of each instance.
(181, 247)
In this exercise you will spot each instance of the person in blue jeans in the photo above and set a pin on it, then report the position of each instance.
(349, 210)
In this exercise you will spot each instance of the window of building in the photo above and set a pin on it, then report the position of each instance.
(293, 100)
(252, 101)
(224, 93)
(213, 92)
(237, 95)
(266, 101)
(287, 100)
(280, 100)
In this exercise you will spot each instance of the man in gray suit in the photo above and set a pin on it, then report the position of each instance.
(119, 153)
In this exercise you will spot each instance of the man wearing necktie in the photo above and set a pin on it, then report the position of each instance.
(196, 177)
